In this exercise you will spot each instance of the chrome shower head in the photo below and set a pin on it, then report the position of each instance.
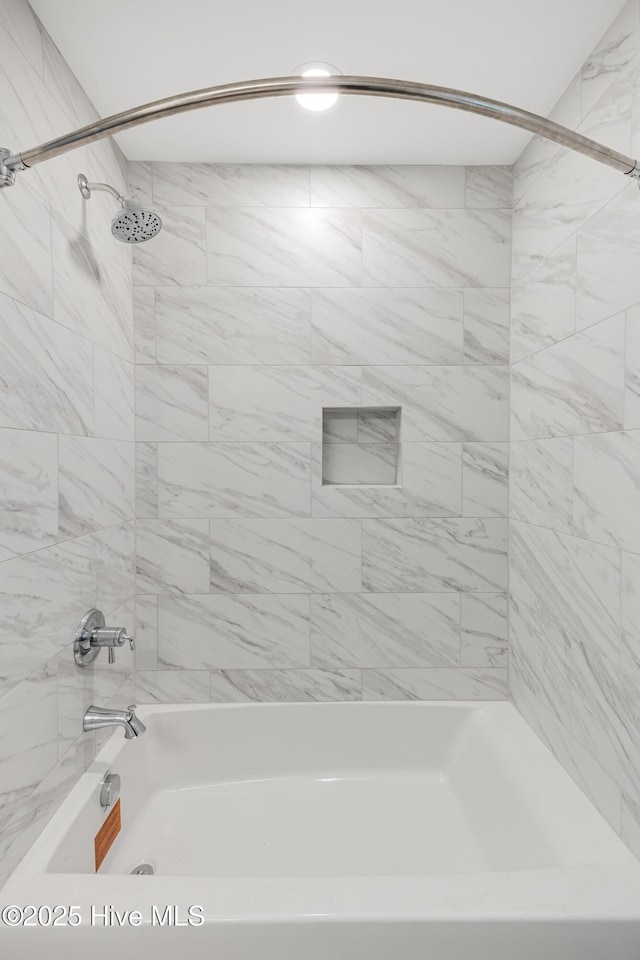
(133, 223)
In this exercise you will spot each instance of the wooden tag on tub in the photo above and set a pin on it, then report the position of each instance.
(107, 834)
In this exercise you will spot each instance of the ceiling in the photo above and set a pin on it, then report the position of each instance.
(127, 52)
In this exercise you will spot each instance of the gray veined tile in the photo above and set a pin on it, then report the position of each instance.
(378, 426)
(28, 735)
(285, 686)
(576, 386)
(61, 81)
(96, 483)
(172, 556)
(486, 326)
(630, 824)
(171, 403)
(178, 255)
(606, 488)
(22, 27)
(489, 186)
(539, 153)
(29, 483)
(115, 566)
(140, 182)
(605, 714)
(219, 325)
(632, 370)
(42, 596)
(429, 484)
(288, 247)
(238, 632)
(485, 479)
(434, 555)
(443, 403)
(541, 482)
(285, 556)
(172, 686)
(230, 184)
(608, 260)
(146, 480)
(25, 249)
(439, 683)
(146, 632)
(543, 303)
(572, 188)
(436, 248)
(387, 186)
(484, 629)
(630, 606)
(30, 814)
(144, 324)
(114, 396)
(385, 630)
(46, 373)
(617, 49)
(380, 326)
(233, 479)
(91, 296)
(340, 426)
(277, 403)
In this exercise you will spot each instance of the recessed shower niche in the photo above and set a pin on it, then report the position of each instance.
(361, 446)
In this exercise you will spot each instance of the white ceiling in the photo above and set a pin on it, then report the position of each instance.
(127, 52)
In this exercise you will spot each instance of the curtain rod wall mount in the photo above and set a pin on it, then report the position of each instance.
(10, 162)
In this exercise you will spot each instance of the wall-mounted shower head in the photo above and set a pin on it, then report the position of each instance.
(133, 223)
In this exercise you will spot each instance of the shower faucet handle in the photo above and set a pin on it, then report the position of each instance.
(92, 634)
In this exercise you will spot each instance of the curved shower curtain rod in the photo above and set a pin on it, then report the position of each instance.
(288, 86)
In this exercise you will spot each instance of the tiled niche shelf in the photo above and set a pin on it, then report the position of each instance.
(361, 446)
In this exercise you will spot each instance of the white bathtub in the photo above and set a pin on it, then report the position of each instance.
(334, 831)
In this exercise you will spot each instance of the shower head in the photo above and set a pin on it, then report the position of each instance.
(133, 223)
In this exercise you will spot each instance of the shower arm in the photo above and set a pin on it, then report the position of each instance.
(289, 86)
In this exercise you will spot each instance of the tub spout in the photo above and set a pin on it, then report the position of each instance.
(97, 718)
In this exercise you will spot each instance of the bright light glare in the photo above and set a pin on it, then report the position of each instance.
(316, 101)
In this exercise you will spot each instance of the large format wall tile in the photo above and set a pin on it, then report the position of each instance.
(228, 632)
(441, 683)
(576, 386)
(253, 246)
(285, 556)
(229, 185)
(378, 326)
(486, 326)
(96, 483)
(272, 403)
(29, 484)
(178, 253)
(443, 403)
(436, 248)
(415, 556)
(25, 249)
(285, 686)
(485, 479)
(233, 479)
(43, 596)
(543, 303)
(172, 556)
(541, 482)
(606, 488)
(232, 325)
(171, 403)
(385, 630)
(39, 352)
(388, 186)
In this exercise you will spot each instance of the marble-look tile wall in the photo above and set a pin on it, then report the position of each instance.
(66, 436)
(575, 450)
(275, 292)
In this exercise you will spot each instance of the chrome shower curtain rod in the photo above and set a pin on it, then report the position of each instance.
(288, 86)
